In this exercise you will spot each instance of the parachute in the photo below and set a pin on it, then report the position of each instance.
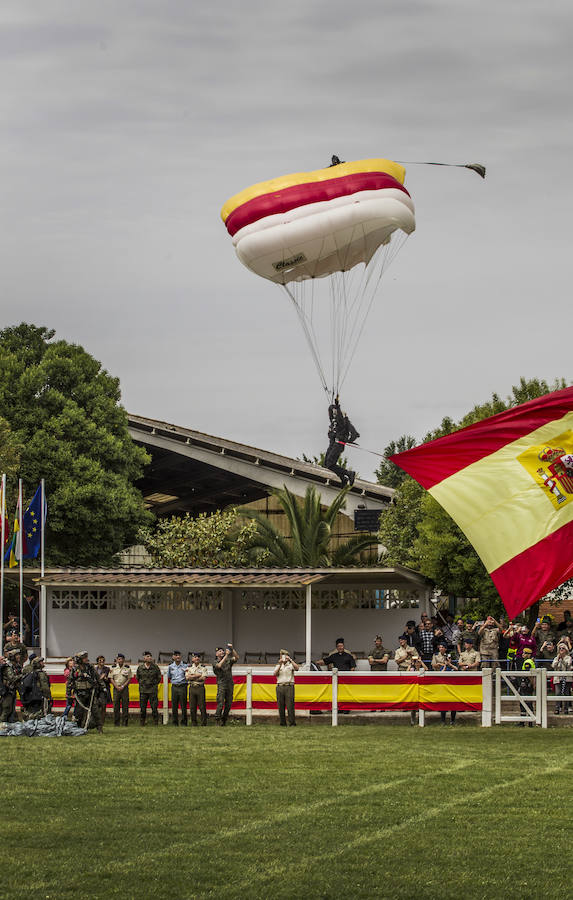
(326, 237)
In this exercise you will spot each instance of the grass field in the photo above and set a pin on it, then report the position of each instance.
(318, 812)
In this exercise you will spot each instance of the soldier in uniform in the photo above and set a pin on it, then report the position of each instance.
(86, 685)
(35, 692)
(379, 657)
(469, 659)
(223, 669)
(13, 642)
(195, 675)
(149, 676)
(10, 674)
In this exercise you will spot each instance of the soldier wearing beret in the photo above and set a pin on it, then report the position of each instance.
(149, 676)
(86, 685)
(10, 674)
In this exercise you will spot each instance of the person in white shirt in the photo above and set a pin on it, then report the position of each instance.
(284, 673)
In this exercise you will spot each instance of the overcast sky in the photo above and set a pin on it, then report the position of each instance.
(126, 126)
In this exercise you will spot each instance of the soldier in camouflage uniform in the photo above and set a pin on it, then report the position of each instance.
(148, 676)
(10, 674)
(37, 699)
(13, 642)
(86, 685)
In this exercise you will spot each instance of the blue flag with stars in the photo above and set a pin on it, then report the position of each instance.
(32, 523)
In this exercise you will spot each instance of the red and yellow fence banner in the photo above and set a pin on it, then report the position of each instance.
(354, 692)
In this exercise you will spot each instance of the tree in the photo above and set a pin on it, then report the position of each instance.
(310, 527)
(388, 473)
(10, 452)
(418, 532)
(201, 542)
(64, 410)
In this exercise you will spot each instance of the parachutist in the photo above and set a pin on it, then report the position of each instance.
(341, 431)
(335, 162)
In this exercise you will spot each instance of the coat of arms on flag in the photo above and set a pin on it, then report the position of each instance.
(508, 483)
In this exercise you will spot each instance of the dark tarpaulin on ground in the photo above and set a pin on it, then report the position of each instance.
(48, 726)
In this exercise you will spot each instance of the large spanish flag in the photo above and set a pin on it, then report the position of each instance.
(508, 483)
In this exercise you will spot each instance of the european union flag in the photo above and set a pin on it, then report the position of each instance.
(32, 523)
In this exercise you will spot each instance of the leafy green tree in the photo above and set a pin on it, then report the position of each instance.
(418, 532)
(388, 473)
(64, 410)
(310, 529)
(10, 452)
(201, 542)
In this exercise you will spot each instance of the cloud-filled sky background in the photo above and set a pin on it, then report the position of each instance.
(126, 126)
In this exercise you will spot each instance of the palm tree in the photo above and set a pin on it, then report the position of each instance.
(310, 527)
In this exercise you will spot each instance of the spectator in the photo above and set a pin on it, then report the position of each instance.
(379, 657)
(511, 635)
(120, 676)
(469, 659)
(565, 623)
(489, 635)
(563, 663)
(546, 654)
(417, 664)
(442, 659)
(149, 677)
(526, 686)
(70, 700)
(412, 635)
(426, 648)
(284, 673)
(176, 675)
(340, 659)
(524, 639)
(103, 675)
(468, 631)
(196, 675)
(11, 627)
(223, 669)
(405, 653)
(543, 631)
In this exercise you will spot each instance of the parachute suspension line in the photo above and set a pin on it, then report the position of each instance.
(308, 335)
(387, 254)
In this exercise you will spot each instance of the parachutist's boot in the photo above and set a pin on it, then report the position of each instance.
(351, 478)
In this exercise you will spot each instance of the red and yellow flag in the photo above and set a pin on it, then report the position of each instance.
(508, 483)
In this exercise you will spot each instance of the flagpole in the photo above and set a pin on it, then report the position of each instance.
(21, 502)
(43, 605)
(2, 539)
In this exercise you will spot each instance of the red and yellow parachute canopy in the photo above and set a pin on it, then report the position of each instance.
(313, 224)
(299, 228)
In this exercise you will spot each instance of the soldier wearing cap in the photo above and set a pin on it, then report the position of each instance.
(469, 658)
(10, 674)
(86, 685)
(195, 675)
(35, 690)
(120, 676)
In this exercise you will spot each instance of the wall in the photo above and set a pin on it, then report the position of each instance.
(133, 631)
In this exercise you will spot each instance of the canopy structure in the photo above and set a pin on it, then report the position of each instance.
(133, 609)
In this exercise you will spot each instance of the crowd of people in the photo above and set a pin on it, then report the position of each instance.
(443, 644)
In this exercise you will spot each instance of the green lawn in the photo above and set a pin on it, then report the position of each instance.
(318, 812)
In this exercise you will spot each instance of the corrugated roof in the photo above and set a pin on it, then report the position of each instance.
(143, 577)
